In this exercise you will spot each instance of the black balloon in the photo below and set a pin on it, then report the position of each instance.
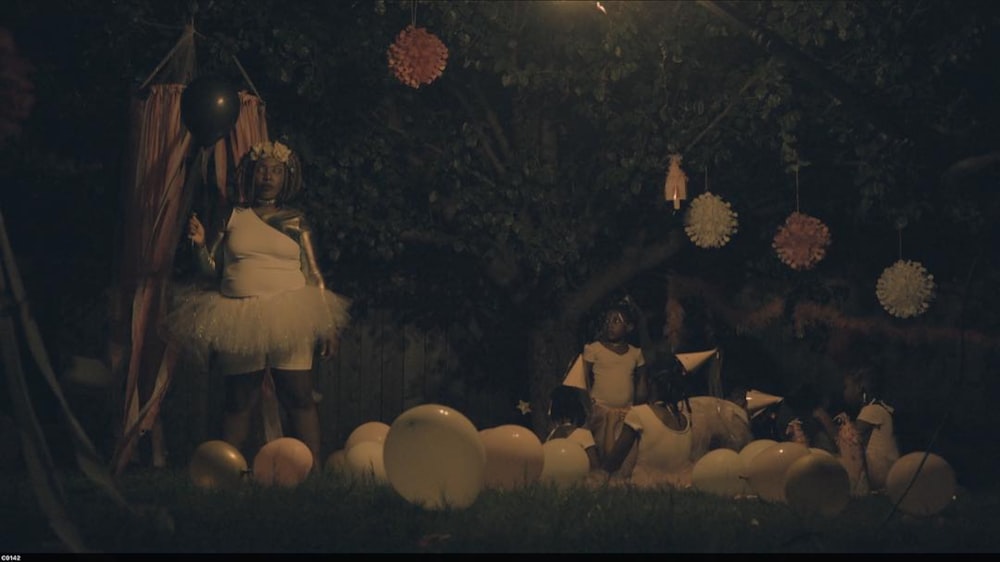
(210, 106)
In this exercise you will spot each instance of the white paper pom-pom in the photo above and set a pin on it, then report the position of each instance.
(905, 289)
(710, 221)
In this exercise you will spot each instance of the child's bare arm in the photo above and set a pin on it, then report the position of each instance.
(641, 385)
(622, 446)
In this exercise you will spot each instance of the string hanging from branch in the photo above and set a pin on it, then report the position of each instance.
(675, 187)
(802, 240)
(905, 288)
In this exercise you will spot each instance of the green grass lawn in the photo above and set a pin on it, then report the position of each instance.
(329, 513)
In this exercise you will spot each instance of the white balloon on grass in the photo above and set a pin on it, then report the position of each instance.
(434, 458)
(514, 456)
(285, 461)
(720, 472)
(747, 453)
(931, 491)
(365, 462)
(337, 461)
(750, 450)
(817, 483)
(368, 431)
(566, 463)
(767, 469)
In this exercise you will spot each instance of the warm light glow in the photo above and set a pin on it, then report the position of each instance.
(601, 8)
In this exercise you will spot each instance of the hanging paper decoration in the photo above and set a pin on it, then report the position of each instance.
(802, 241)
(710, 221)
(675, 188)
(905, 289)
(417, 57)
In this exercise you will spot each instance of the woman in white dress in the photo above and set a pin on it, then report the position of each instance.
(269, 306)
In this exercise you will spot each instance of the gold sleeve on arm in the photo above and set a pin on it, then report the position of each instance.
(313, 275)
(208, 257)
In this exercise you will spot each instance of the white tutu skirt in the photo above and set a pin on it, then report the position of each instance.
(202, 321)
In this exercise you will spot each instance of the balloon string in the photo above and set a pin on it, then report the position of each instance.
(899, 233)
(413, 14)
(706, 178)
(247, 78)
(796, 189)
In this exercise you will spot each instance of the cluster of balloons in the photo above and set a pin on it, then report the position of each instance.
(433, 456)
(814, 481)
(284, 462)
(362, 456)
(809, 480)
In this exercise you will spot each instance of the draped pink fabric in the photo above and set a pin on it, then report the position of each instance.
(154, 204)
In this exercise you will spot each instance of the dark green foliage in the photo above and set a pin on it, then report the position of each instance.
(525, 185)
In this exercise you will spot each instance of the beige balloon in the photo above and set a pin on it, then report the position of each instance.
(514, 457)
(817, 484)
(566, 463)
(750, 450)
(337, 461)
(720, 472)
(217, 465)
(434, 458)
(767, 470)
(365, 462)
(932, 490)
(285, 461)
(368, 431)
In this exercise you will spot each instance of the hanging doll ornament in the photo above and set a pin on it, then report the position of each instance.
(417, 57)
(675, 188)
(801, 242)
(710, 221)
(905, 289)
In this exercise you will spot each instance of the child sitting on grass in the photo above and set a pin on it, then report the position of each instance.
(568, 418)
(867, 444)
(662, 429)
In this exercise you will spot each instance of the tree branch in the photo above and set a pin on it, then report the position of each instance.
(969, 166)
(634, 260)
(876, 113)
(484, 140)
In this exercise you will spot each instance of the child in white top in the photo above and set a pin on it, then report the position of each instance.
(872, 432)
(662, 428)
(615, 372)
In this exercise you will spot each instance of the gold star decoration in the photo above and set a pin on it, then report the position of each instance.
(525, 407)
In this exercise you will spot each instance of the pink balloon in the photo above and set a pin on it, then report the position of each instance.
(286, 461)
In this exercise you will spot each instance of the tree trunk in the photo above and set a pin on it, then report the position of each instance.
(553, 347)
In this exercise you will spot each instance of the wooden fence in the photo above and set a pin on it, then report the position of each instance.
(383, 368)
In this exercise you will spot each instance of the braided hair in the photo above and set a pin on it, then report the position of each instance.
(668, 378)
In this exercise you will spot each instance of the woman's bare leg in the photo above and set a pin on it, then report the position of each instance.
(242, 393)
(295, 392)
